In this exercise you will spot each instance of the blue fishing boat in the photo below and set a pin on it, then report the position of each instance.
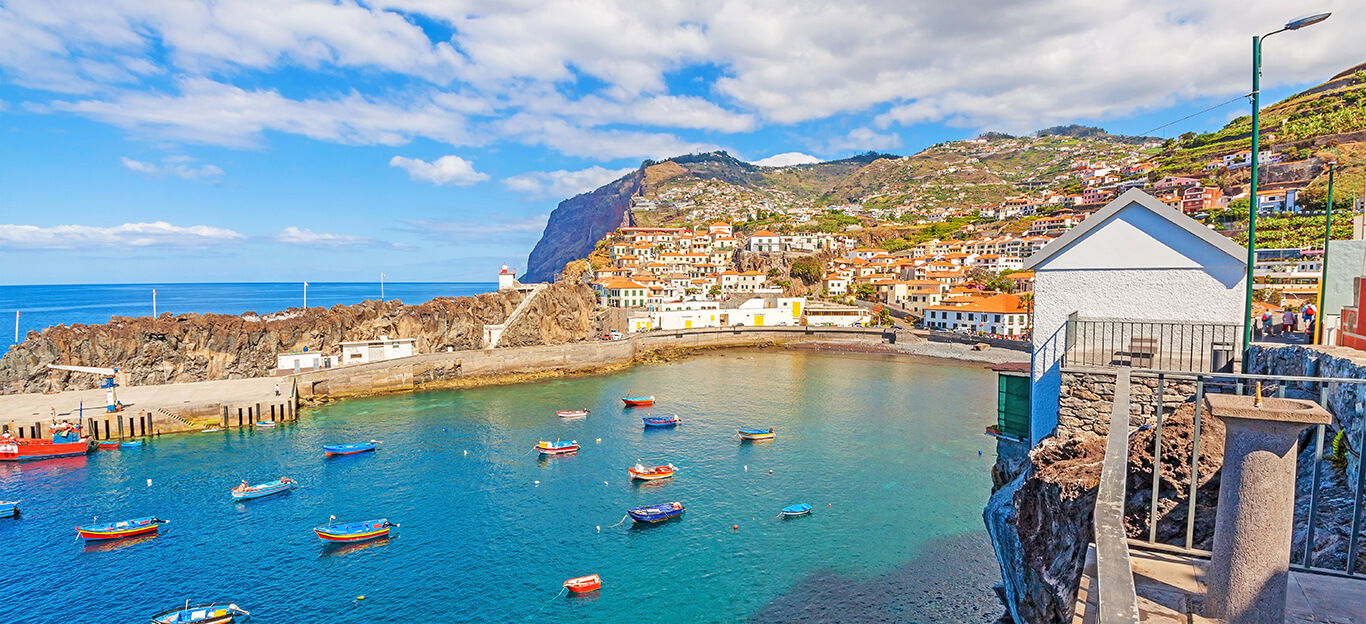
(9, 509)
(355, 531)
(133, 444)
(755, 434)
(246, 492)
(661, 421)
(800, 509)
(349, 449)
(557, 447)
(656, 513)
(264, 424)
(211, 613)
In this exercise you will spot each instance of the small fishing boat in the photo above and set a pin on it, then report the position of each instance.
(661, 421)
(9, 509)
(355, 531)
(120, 530)
(109, 445)
(349, 449)
(557, 447)
(133, 444)
(212, 613)
(800, 509)
(246, 492)
(650, 474)
(210, 429)
(572, 413)
(584, 584)
(644, 401)
(755, 434)
(656, 513)
(264, 424)
(65, 440)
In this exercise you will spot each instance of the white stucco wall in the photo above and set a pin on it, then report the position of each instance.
(1136, 265)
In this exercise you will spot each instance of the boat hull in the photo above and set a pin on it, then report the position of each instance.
(572, 414)
(200, 614)
(357, 532)
(114, 532)
(260, 491)
(648, 475)
(638, 402)
(796, 510)
(9, 509)
(660, 422)
(564, 450)
(584, 584)
(656, 513)
(347, 449)
(28, 449)
(755, 435)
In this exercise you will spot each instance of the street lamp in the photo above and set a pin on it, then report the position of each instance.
(1323, 269)
(1252, 204)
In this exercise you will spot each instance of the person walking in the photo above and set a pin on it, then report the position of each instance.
(277, 389)
(1288, 322)
(1266, 323)
(1311, 314)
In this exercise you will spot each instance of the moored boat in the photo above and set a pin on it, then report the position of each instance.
(211, 613)
(120, 529)
(133, 444)
(800, 509)
(584, 584)
(9, 509)
(642, 473)
(557, 447)
(755, 434)
(246, 492)
(265, 424)
(66, 441)
(349, 449)
(572, 413)
(661, 421)
(640, 401)
(109, 444)
(656, 513)
(355, 531)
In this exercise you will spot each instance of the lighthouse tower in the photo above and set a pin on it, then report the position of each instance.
(507, 278)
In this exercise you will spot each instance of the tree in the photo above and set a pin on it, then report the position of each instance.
(865, 291)
(884, 317)
(775, 272)
(807, 269)
(714, 292)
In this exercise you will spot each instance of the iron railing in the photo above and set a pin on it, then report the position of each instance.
(1151, 345)
(1307, 523)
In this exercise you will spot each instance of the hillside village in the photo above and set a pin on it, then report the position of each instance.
(939, 239)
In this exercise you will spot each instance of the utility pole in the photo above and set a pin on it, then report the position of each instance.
(1323, 273)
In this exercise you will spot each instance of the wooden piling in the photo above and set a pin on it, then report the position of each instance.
(120, 421)
(225, 417)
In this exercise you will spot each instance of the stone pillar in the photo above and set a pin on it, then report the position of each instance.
(1250, 565)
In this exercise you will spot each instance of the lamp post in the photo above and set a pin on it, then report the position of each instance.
(1252, 204)
(1323, 271)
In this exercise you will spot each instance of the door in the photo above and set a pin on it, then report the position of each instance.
(796, 309)
(758, 320)
(687, 324)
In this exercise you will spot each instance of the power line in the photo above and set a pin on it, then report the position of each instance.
(1226, 103)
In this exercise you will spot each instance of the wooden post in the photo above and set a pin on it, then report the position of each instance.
(142, 420)
(107, 432)
(149, 423)
(132, 427)
(272, 413)
(35, 429)
(120, 421)
(225, 417)
(259, 415)
(239, 417)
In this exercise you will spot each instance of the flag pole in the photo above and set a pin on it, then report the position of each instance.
(16, 327)
(154, 303)
(305, 295)
(381, 287)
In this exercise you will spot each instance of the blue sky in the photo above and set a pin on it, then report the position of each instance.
(291, 140)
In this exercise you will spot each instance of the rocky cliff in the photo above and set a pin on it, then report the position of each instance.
(194, 347)
(578, 223)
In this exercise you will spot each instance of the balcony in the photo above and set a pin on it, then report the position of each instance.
(1151, 345)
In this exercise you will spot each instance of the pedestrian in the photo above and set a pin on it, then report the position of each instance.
(277, 389)
(1311, 314)
(1266, 323)
(1288, 322)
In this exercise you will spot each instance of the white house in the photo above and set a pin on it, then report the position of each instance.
(385, 348)
(1135, 259)
(765, 241)
(295, 361)
(507, 278)
(820, 314)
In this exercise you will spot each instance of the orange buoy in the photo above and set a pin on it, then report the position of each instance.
(735, 527)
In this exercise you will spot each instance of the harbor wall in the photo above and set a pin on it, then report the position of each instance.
(461, 368)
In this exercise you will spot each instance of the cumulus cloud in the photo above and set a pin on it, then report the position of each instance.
(498, 229)
(862, 139)
(562, 184)
(293, 235)
(160, 234)
(787, 159)
(444, 171)
(175, 168)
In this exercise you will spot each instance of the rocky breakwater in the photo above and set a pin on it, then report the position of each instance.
(1040, 511)
(205, 347)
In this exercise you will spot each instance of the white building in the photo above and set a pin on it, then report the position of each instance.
(820, 314)
(765, 241)
(385, 348)
(507, 278)
(1136, 259)
(294, 361)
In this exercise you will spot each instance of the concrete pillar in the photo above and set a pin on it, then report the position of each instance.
(1250, 565)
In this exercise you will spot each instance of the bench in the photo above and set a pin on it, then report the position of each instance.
(1141, 353)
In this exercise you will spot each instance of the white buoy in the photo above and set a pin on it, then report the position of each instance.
(599, 528)
(604, 483)
(149, 483)
(599, 440)
(467, 452)
(538, 484)
(746, 468)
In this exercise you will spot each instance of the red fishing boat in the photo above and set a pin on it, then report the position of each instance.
(584, 584)
(650, 474)
(640, 401)
(120, 530)
(66, 441)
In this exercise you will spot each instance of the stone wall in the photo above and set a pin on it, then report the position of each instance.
(1346, 401)
(1085, 400)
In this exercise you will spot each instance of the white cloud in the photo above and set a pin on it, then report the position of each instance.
(562, 184)
(499, 229)
(293, 235)
(787, 159)
(175, 168)
(444, 171)
(160, 234)
(862, 139)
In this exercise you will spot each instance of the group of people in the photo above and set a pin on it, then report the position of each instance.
(1286, 324)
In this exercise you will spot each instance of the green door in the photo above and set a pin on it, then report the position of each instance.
(1012, 405)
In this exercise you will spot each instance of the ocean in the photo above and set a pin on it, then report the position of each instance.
(40, 307)
(886, 449)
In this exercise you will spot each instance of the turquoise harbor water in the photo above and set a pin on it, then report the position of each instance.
(47, 305)
(885, 449)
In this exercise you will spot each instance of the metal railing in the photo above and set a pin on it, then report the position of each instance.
(1152, 345)
(1311, 521)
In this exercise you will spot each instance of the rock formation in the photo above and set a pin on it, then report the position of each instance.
(195, 347)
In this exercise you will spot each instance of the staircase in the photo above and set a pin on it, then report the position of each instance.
(493, 333)
(168, 414)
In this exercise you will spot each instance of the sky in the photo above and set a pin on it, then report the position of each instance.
(292, 140)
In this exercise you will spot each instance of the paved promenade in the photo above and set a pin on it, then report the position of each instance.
(29, 408)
